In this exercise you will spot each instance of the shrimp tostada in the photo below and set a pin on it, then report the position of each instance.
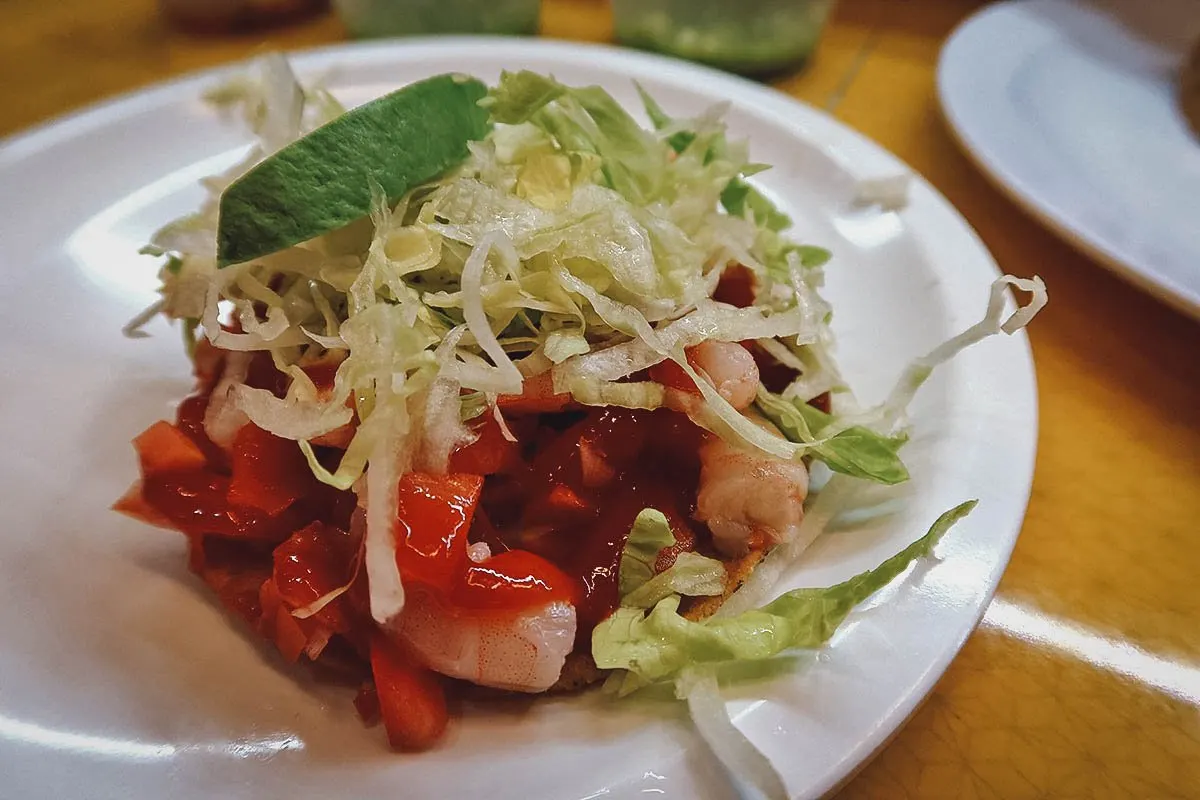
(497, 386)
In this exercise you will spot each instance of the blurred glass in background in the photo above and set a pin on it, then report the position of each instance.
(228, 15)
(369, 18)
(753, 37)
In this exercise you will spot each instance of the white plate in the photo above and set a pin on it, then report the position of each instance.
(1070, 106)
(120, 678)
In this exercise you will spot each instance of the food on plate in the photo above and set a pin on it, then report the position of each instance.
(497, 386)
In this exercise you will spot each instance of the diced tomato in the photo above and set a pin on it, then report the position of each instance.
(164, 448)
(234, 571)
(674, 440)
(672, 376)
(133, 504)
(196, 503)
(366, 703)
(197, 560)
(190, 419)
(565, 500)
(279, 625)
(433, 519)
(482, 530)
(537, 397)
(412, 700)
(616, 435)
(487, 455)
(269, 473)
(736, 286)
(515, 579)
(322, 373)
(207, 364)
(595, 469)
(238, 592)
(560, 507)
(774, 375)
(314, 561)
(262, 374)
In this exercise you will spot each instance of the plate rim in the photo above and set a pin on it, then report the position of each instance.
(1181, 297)
(72, 124)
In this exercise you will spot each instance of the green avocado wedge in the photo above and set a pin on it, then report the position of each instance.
(322, 182)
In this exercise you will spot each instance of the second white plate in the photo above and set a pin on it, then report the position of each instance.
(1070, 106)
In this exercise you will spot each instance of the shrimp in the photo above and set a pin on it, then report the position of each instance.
(728, 366)
(746, 496)
(520, 651)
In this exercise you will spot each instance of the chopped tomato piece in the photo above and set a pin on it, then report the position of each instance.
(238, 592)
(593, 466)
(279, 625)
(196, 503)
(412, 700)
(269, 473)
(617, 436)
(515, 579)
(164, 448)
(487, 455)
(564, 499)
(315, 561)
(482, 530)
(774, 375)
(262, 374)
(433, 519)
(133, 504)
(322, 373)
(736, 286)
(674, 442)
(366, 703)
(672, 376)
(207, 364)
(190, 419)
(537, 397)
(231, 555)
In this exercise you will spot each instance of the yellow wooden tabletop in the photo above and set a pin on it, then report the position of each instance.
(1084, 679)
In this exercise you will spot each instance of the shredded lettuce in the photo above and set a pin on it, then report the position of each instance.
(658, 645)
(650, 534)
(698, 686)
(855, 451)
(692, 575)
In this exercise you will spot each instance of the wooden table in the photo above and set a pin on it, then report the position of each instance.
(1084, 679)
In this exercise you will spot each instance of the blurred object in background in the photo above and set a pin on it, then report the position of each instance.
(229, 15)
(753, 37)
(1189, 88)
(369, 18)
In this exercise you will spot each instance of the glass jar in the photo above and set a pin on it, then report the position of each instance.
(749, 36)
(369, 18)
